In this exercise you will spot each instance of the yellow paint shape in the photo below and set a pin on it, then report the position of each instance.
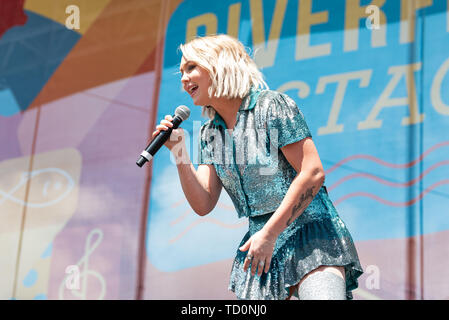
(365, 294)
(56, 10)
(51, 202)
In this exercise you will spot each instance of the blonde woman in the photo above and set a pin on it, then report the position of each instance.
(257, 146)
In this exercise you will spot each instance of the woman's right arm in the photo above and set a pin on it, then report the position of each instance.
(202, 187)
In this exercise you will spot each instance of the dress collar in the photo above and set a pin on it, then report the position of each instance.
(250, 99)
(248, 103)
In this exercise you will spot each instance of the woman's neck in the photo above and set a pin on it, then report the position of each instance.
(227, 109)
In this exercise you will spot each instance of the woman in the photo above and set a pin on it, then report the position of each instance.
(258, 147)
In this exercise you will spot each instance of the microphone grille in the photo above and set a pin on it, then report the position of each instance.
(183, 112)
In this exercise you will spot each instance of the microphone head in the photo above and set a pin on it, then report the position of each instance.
(183, 112)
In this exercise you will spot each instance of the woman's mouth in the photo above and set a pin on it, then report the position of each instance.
(193, 89)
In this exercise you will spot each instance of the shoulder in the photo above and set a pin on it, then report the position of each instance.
(268, 94)
(273, 98)
(272, 102)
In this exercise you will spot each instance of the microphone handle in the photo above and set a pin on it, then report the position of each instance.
(157, 142)
(162, 137)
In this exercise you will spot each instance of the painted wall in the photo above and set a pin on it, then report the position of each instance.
(77, 106)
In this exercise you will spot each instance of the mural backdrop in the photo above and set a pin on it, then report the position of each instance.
(83, 84)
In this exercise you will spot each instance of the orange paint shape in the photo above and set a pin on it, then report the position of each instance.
(122, 39)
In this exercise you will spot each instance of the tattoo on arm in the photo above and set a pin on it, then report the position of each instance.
(302, 204)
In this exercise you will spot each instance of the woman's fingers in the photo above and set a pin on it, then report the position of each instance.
(257, 265)
(260, 251)
(260, 267)
(163, 125)
(176, 137)
(247, 262)
(167, 123)
(259, 260)
(254, 265)
(249, 255)
(267, 264)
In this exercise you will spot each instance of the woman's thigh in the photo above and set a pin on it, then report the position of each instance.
(323, 283)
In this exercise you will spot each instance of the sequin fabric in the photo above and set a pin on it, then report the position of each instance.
(248, 159)
(256, 175)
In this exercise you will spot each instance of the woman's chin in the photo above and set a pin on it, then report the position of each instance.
(197, 102)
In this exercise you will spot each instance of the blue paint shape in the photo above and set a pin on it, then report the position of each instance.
(26, 68)
(8, 104)
(41, 296)
(48, 251)
(30, 278)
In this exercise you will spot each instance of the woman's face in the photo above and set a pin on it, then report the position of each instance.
(195, 81)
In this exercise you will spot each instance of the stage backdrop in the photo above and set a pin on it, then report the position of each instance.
(83, 84)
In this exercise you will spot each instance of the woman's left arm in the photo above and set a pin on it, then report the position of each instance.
(304, 158)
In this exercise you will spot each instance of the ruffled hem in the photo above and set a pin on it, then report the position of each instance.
(304, 249)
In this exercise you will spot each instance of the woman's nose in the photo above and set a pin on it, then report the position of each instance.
(184, 78)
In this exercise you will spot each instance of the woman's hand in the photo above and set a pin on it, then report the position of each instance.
(260, 250)
(176, 136)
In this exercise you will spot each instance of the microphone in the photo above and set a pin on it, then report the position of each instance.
(181, 114)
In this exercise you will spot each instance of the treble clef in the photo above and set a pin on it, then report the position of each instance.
(88, 249)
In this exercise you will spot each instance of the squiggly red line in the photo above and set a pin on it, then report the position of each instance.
(210, 220)
(391, 203)
(181, 217)
(187, 212)
(384, 163)
(386, 182)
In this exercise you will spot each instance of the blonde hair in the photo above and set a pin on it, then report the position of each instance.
(232, 71)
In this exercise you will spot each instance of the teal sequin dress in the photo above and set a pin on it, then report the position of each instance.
(256, 175)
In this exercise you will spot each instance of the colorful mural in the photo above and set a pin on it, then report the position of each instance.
(75, 106)
(81, 221)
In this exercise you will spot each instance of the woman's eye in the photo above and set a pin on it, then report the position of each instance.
(190, 67)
